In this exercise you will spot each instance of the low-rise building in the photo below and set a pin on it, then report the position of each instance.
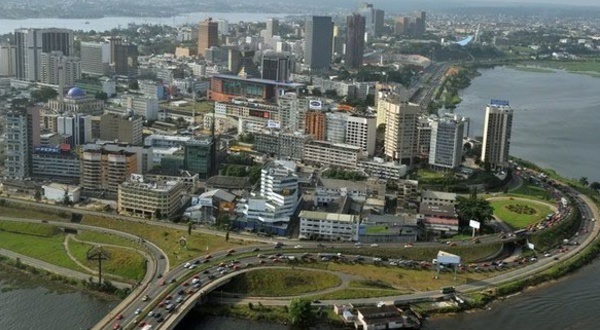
(332, 154)
(281, 145)
(438, 198)
(159, 200)
(383, 317)
(56, 192)
(55, 164)
(381, 169)
(328, 226)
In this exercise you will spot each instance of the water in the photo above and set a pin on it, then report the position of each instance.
(109, 23)
(556, 119)
(25, 305)
(224, 323)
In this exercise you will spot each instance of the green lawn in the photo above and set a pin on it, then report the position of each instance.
(573, 66)
(28, 213)
(198, 244)
(282, 282)
(34, 229)
(92, 236)
(123, 263)
(532, 191)
(429, 174)
(516, 220)
(376, 229)
(48, 249)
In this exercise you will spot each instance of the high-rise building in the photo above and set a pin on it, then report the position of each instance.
(8, 64)
(78, 126)
(31, 43)
(497, 133)
(374, 19)
(158, 199)
(272, 29)
(105, 170)
(400, 129)
(95, 58)
(292, 111)
(198, 157)
(127, 128)
(223, 27)
(120, 58)
(379, 22)
(445, 149)
(336, 127)
(402, 25)
(318, 42)
(355, 41)
(420, 23)
(315, 124)
(361, 131)
(22, 131)
(55, 66)
(276, 66)
(208, 35)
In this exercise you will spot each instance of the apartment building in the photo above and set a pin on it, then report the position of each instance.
(332, 154)
(159, 199)
(328, 226)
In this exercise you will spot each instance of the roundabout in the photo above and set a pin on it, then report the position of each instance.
(520, 212)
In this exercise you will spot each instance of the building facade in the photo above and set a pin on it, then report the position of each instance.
(497, 134)
(336, 127)
(328, 226)
(280, 144)
(126, 129)
(445, 151)
(104, 170)
(22, 131)
(318, 42)
(159, 200)
(316, 124)
(400, 130)
(8, 65)
(361, 132)
(198, 157)
(55, 164)
(95, 58)
(208, 35)
(332, 154)
(355, 41)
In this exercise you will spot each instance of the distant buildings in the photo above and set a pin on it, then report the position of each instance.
(77, 126)
(276, 66)
(332, 154)
(315, 124)
(329, 226)
(31, 43)
(497, 134)
(104, 170)
(318, 43)
(411, 26)
(198, 157)
(95, 58)
(22, 129)
(401, 129)
(56, 67)
(77, 101)
(127, 128)
(374, 19)
(8, 64)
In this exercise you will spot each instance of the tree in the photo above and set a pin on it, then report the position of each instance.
(37, 195)
(101, 96)
(43, 94)
(66, 199)
(317, 92)
(227, 236)
(595, 185)
(584, 181)
(473, 208)
(300, 312)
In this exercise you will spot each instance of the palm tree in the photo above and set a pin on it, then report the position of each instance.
(473, 208)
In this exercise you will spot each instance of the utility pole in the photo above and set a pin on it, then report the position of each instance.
(98, 253)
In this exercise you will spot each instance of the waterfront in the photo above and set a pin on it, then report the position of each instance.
(556, 116)
(25, 304)
(109, 23)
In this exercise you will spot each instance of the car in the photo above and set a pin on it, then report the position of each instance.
(173, 280)
(186, 283)
(547, 254)
(180, 292)
(141, 324)
(159, 275)
(298, 247)
(157, 315)
(161, 304)
(146, 297)
(374, 245)
(160, 319)
(316, 301)
(119, 317)
(150, 313)
(187, 264)
(197, 262)
(179, 300)
(260, 256)
(169, 297)
(235, 261)
(376, 259)
(211, 276)
(393, 263)
(138, 311)
(556, 258)
(116, 326)
(197, 285)
(162, 256)
(208, 256)
(192, 266)
(231, 251)
(261, 262)
(255, 250)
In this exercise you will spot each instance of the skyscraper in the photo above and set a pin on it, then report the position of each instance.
(208, 35)
(272, 29)
(276, 66)
(22, 129)
(361, 132)
(7, 60)
(402, 25)
(497, 133)
(400, 129)
(79, 126)
(355, 41)
(445, 148)
(55, 66)
(31, 43)
(420, 24)
(318, 42)
(95, 58)
(198, 157)
(374, 19)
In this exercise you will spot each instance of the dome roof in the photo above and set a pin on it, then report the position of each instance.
(75, 92)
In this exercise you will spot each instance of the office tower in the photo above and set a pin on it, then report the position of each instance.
(445, 149)
(223, 27)
(355, 41)
(31, 43)
(400, 129)
(318, 42)
(402, 25)
(197, 157)
(79, 126)
(276, 66)
(55, 66)
(127, 128)
(272, 29)
(22, 131)
(7, 60)
(361, 132)
(336, 127)
(315, 124)
(247, 67)
(234, 60)
(496, 133)
(420, 23)
(208, 35)
(95, 58)
(374, 19)
(119, 56)
(292, 111)
(378, 22)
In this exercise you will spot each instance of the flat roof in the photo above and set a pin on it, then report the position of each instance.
(438, 195)
(340, 184)
(259, 81)
(328, 216)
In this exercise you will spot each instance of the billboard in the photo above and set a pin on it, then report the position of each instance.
(260, 114)
(474, 224)
(315, 105)
(202, 201)
(273, 124)
(447, 258)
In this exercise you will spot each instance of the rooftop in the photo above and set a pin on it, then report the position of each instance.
(438, 195)
(220, 194)
(329, 216)
(340, 184)
(259, 81)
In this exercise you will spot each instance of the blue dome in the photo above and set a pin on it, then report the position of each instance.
(75, 92)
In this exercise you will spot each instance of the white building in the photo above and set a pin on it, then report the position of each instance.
(22, 131)
(336, 123)
(328, 226)
(7, 60)
(166, 141)
(150, 199)
(361, 132)
(146, 107)
(381, 169)
(400, 129)
(79, 126)
(445, 149)
(292, 111)
(95, 58)
(152, 89)
(497, 133)
(438, 198)
(55, 64)
(332, 154)
(56, 192)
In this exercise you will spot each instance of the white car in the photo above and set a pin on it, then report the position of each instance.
(547, 254)
(151, 313)
(298, 247)
(187, 264)
(374, 245)
(138, 311)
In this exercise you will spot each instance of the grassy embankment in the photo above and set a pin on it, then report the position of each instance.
(587, 66)
(168, 239)
(519, 214)
(281, 282)
(532, 191)
(122, 263)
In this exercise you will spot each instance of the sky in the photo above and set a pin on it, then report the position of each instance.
(557, 2)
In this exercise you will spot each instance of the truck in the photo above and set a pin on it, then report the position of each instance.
(448, 289)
